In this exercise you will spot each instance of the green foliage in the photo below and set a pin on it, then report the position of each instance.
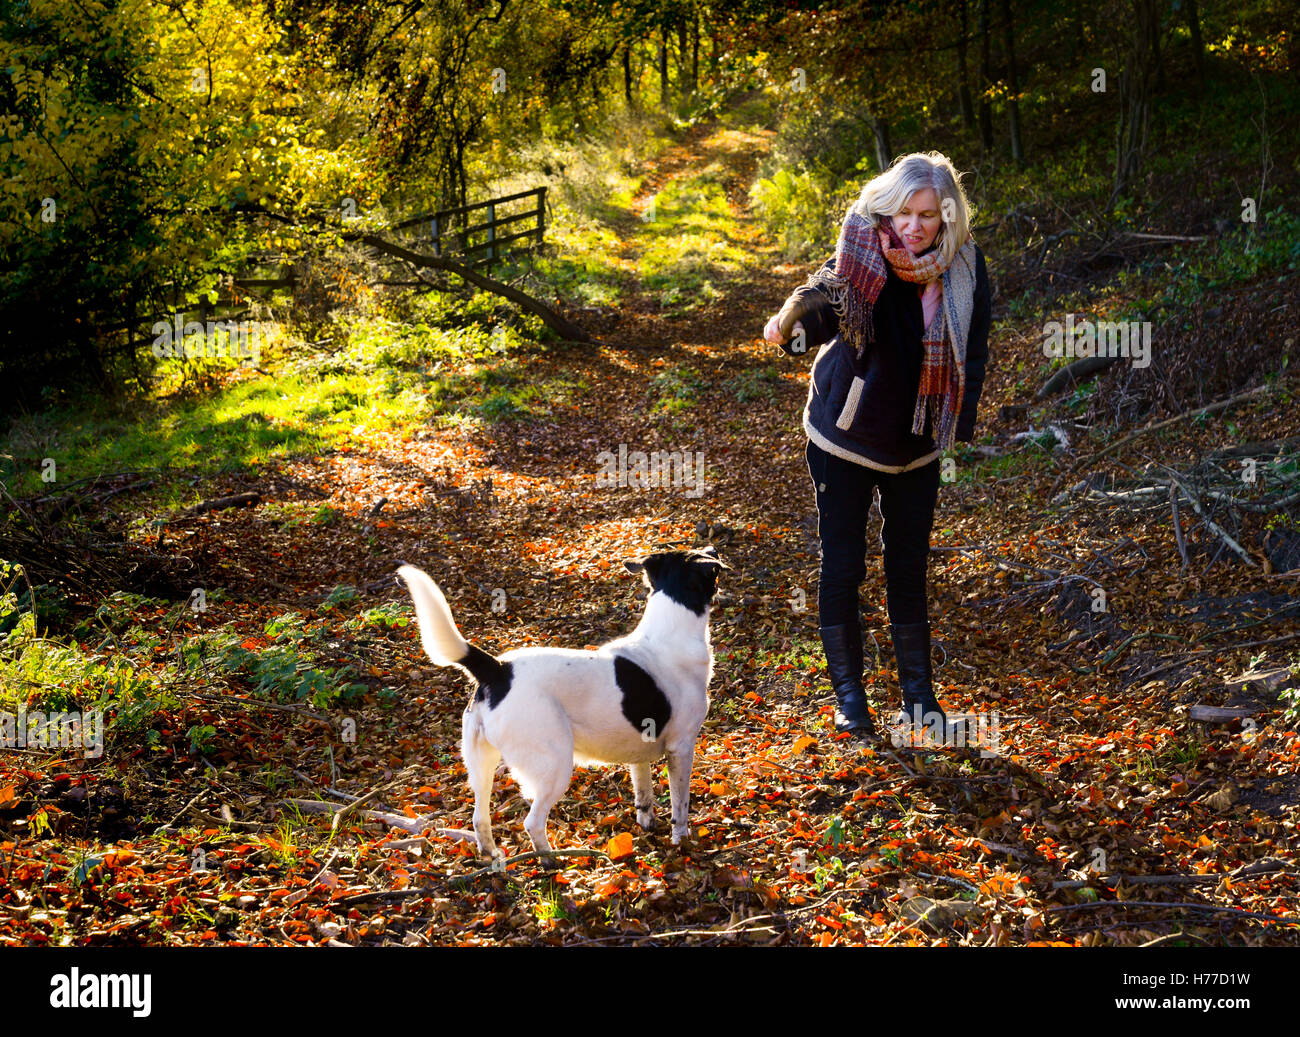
(387, 616)
(283, 670)
(676, 389)
(793, 208)
(132, 132)
(343, 594)
(754, 384)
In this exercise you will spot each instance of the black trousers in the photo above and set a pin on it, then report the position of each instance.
(844, 494)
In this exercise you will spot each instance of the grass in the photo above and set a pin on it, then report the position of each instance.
(754, 384)
(387, 374)
(676, 389)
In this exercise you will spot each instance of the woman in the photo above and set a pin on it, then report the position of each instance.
(903, 309)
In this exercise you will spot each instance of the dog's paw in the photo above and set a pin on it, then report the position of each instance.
(645, 817)
(680, 833)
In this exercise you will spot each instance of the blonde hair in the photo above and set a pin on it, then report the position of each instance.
(886, 194)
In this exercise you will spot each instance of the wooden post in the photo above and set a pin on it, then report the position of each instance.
(491, 234)
(541, 214)
(437, 242)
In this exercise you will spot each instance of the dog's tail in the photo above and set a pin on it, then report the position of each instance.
(442, 642)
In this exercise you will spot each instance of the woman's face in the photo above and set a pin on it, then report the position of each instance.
(919, 220)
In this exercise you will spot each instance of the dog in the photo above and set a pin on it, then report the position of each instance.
(630, 701)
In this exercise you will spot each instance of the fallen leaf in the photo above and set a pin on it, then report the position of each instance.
(622, 845)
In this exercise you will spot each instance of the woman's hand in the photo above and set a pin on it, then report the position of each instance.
(772, 333)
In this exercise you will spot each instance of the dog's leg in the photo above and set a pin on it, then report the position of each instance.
(540, 756)
(680, 761)
(548, 788)
(481, 759)
(643, 794)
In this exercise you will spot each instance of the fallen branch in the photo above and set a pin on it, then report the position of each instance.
(1211, 409)
(356, 803)
(1219, 714)
(1073, 374)
(550, 318)
(500, 864)
(1184, 905)
(1178, 525)
(236, 500)
(1196, 504)
(1267, 867)
(258, 704)
(315, 806)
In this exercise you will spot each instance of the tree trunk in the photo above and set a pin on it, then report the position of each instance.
(695, 49)
(963, 74)
(627, 78)
(663, 66)
(683, 86)
(1198, 46)
(1135, 95)
(1013, 102)
(986, 75)
(884, 153)
(1158, 55)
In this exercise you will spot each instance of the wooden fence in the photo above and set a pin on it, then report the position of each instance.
(448, 231)
(451, 235)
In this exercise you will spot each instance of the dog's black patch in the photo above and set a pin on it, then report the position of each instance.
(493, 676)
(642, 699)
(688, 578)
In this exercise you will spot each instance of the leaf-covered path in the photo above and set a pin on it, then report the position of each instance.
(799, 836)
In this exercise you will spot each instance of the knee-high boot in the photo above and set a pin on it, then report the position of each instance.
(912, 649)
(843, 647)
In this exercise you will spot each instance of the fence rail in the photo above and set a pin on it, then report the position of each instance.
(449, 234)
(447, 231)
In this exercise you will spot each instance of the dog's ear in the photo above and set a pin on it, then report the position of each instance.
(711, 555)
(633, 567)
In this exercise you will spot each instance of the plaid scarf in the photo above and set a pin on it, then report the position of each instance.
(854, 286)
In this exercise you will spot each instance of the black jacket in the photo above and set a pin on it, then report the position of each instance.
(878, 431)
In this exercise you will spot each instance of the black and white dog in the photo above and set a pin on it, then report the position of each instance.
(632, 701)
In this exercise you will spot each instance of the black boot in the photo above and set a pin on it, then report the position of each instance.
(843, 647)
(912, 650)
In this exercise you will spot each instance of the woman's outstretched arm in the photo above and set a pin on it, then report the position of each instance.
(810, 307)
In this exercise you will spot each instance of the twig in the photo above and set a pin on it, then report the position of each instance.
(316, 806)
(183, 811)
(1209, 521)
(501, 863)
(1178, 526)
(1003, 848)
(1180, 935)
(258, 704)
(951, 881)
(1205, 651)
(340, 814)
(324, 868)
(1167, 880)
(1212, 408)
(1185, 905)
